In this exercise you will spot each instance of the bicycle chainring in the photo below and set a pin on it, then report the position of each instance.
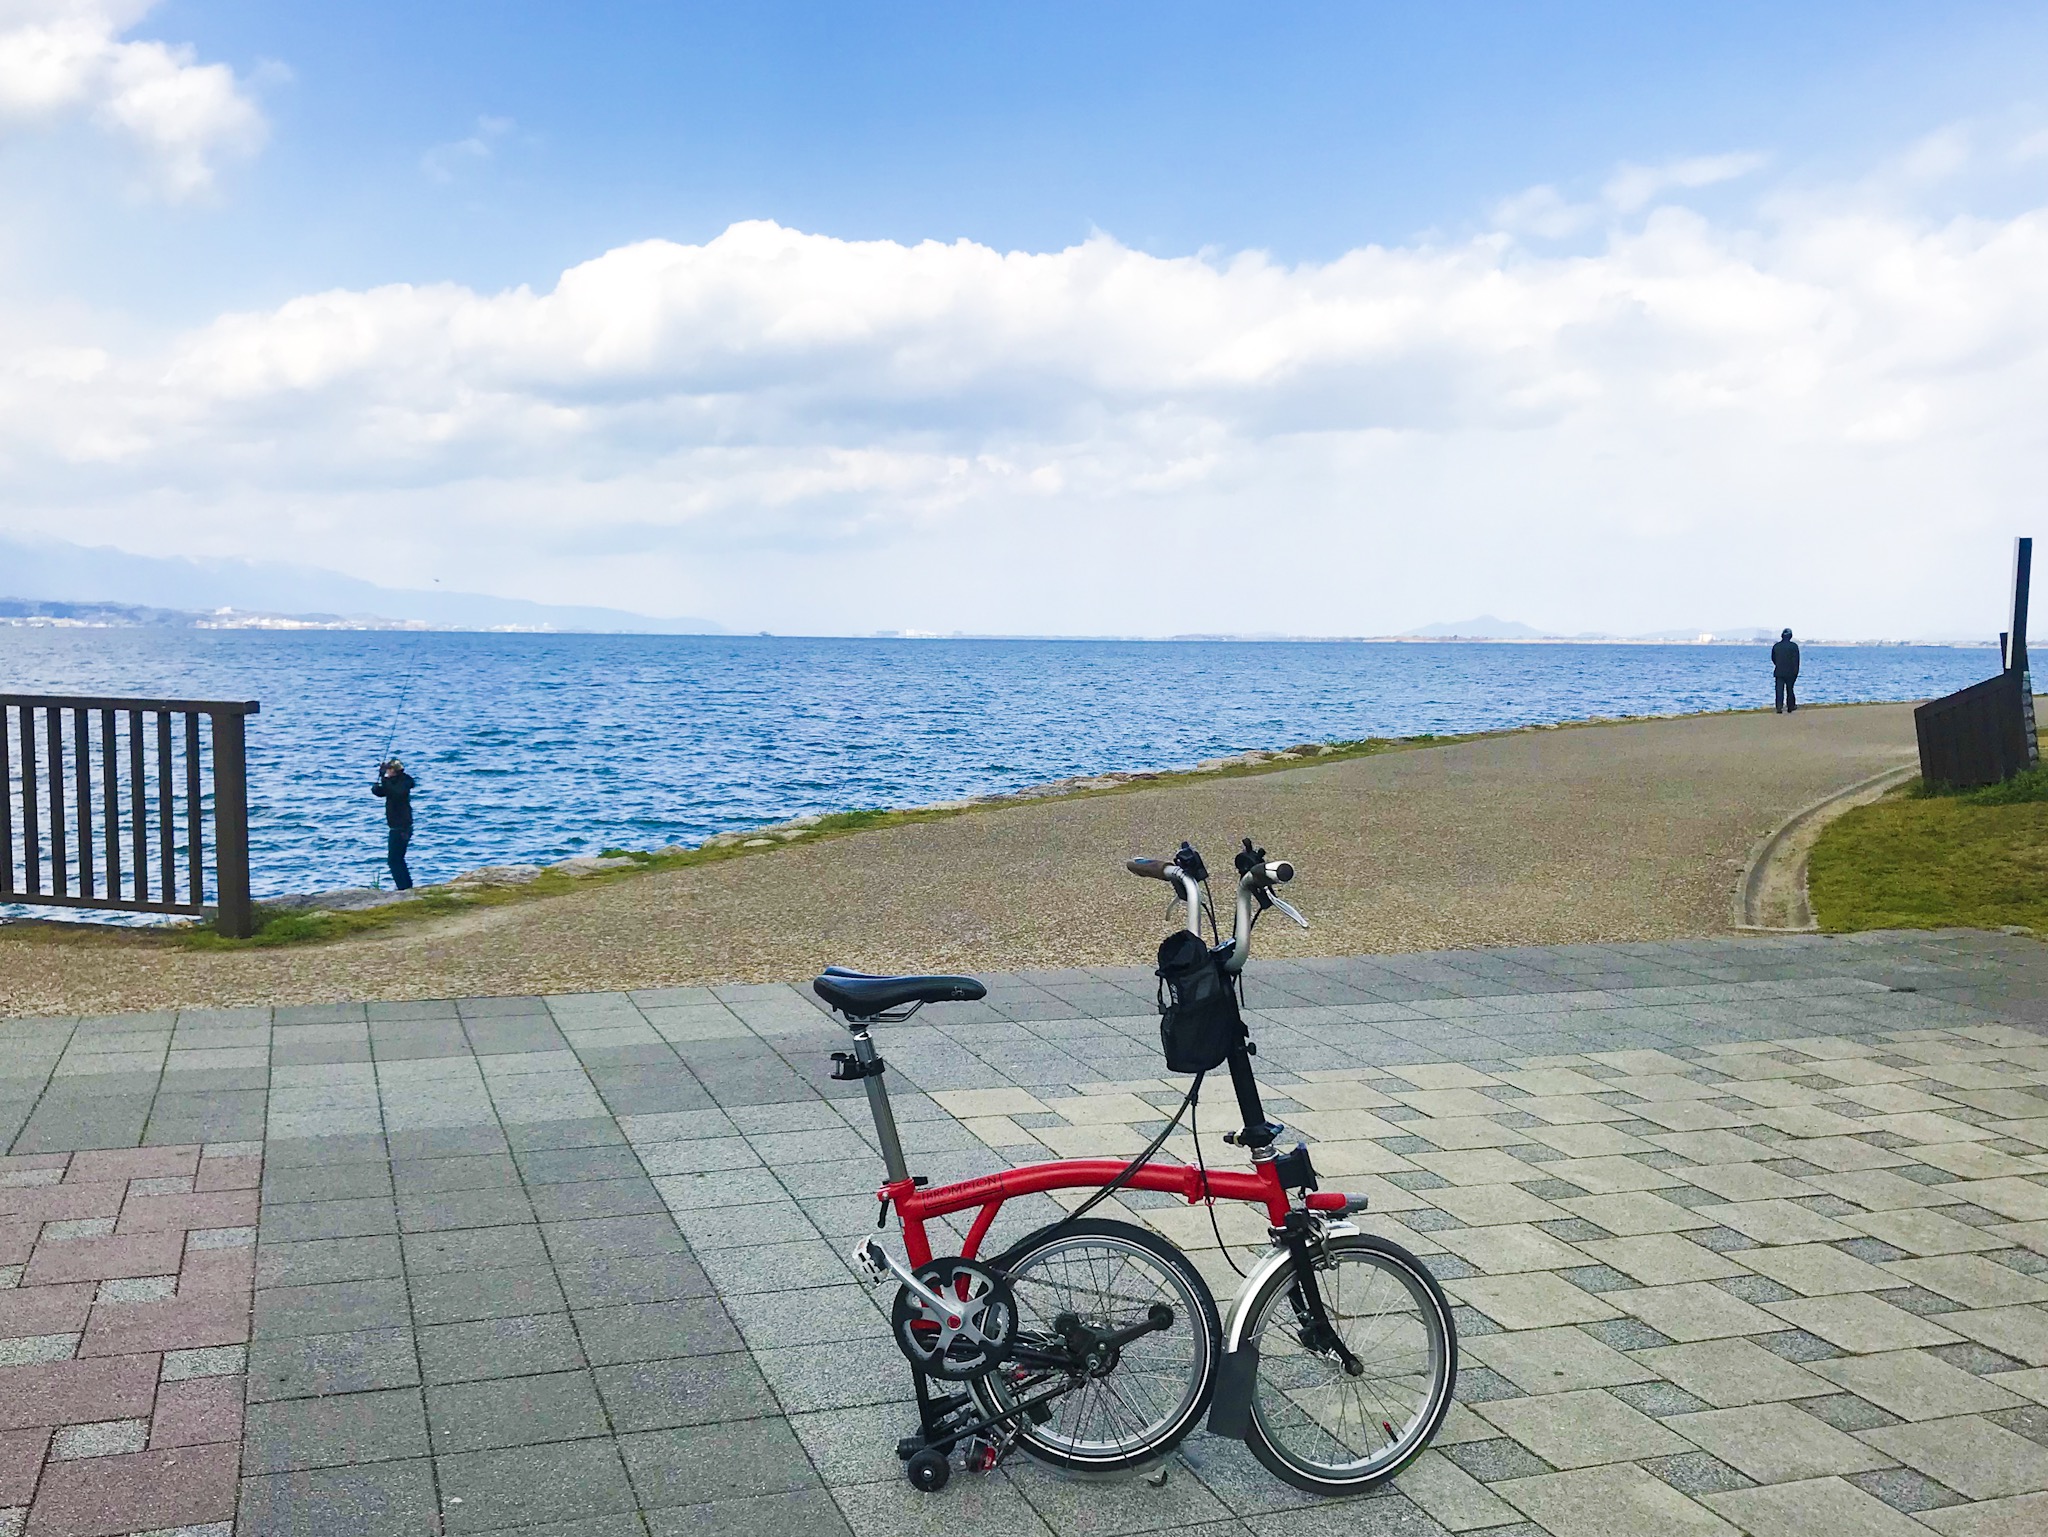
(968, 1339)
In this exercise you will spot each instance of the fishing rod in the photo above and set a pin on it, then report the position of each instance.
(412, 671)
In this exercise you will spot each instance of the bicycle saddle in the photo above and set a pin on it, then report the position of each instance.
(860, 997)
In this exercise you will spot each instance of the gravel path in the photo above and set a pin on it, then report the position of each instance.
(1633, 831)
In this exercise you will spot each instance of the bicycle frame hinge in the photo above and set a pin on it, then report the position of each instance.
(1230, 1411)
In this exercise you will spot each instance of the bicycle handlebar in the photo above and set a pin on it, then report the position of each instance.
(1254, 894)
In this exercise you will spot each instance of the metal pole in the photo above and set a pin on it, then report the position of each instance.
(2016, 657)
(60, 859)
(81, 760)
(31, 827)
(6, 807)
(110, 801)
(195, 814)
(231, 824)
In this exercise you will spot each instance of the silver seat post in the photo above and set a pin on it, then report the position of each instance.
(878, 1102)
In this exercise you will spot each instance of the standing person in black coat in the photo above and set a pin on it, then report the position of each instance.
(394, 787)
(1785, 667)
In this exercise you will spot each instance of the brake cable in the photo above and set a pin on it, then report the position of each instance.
(1208, 1200)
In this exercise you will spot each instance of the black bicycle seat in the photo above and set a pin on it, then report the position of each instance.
(860, 996)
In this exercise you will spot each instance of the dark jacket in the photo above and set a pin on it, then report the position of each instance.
(1785, 659)
(396, 793)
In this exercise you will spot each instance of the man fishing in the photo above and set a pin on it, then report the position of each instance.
(394, 787)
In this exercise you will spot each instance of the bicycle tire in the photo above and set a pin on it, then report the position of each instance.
(1160, 1385)
(1300, 1395)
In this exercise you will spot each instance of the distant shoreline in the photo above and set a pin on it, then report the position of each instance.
(53, 615)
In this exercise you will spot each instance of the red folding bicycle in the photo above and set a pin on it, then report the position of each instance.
(1094, 1344)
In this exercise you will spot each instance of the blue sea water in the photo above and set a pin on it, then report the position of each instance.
(532, 747)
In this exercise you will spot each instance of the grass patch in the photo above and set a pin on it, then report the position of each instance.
(1925, 858)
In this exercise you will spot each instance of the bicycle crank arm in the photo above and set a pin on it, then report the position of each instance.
(881, 1266)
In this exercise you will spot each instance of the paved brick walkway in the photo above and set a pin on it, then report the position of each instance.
(1746, 1236)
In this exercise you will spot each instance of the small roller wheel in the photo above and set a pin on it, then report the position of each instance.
(929, 1470)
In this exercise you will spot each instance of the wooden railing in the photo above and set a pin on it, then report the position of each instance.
(92, 816)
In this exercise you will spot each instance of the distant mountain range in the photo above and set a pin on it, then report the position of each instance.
(104, 586)
(1486, 627)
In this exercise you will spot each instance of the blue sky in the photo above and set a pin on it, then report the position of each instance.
(1304, 130)
(489, 146)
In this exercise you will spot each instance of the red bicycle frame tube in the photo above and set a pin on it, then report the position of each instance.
(1262, 1187)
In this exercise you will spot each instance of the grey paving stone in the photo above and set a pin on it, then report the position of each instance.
(383, 1499)
(438, 1176)
(1494, 1460)
(332, 1363)
(716, 1462)
(809, 1511)
(1846, 1412)
(499, 1347)
(465, 1295)
(291, 1222)
(485, 1248)
(339, 1307)
(326, 1182)
(450, 1210)
(1904, 1489)
(583, 1199)
(700, 1390)
(336, 1431)
(317, 1260)
(447, 1142)
(1696, 1473)
(530, 1485)
(656, 1330)
(323, 1152)
(571, 1242)
(1658, 1399)
(576, 1165)
(586, 1132)
(521, 1411)
(611, 1281)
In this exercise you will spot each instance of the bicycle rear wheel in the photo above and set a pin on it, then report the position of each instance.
(1135, 1402)
(1313, 1422)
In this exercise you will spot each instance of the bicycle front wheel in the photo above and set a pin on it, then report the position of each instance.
(1316, 1423)
(1132, 1403)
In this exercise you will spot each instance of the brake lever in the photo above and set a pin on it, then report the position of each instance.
(1289, 909)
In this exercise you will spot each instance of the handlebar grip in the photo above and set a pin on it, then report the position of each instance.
(1280, 870)
(1154, 869)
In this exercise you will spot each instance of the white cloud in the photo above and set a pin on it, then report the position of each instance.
(444, 162)
(1634, 186)
(1828, 411)
(69, 57)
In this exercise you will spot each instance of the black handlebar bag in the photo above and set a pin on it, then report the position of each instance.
(1198, 1018)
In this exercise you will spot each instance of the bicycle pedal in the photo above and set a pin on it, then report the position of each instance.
(871, 1258)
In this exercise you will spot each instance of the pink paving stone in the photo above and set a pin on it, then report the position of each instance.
(27, 1311)
(218, 1270)
(21, 1161)
(21, 1458)
(206, 1409)
(229, 1174)
(77, 1392)
(141, 1491)
(133, 1163)
(61, 1203)
(106, 1259)
(16, 1239)
(184, 1323)
(181, 1213)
